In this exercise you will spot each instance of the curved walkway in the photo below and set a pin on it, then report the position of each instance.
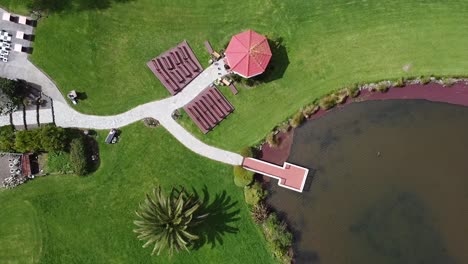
(162, 110)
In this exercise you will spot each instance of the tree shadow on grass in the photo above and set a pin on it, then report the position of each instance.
(276, 68)
(222, 214)
(55, 6)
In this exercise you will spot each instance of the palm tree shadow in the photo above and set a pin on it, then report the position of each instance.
(222, 213)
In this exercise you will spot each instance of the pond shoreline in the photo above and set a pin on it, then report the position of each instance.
(456, 94)
(342, 149)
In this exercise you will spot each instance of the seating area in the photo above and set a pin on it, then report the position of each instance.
(215, 56)
(5, 45)
(176, 67)
(208, 109)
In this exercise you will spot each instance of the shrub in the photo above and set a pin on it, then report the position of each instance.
(13, 89)
(78, 156)
(328, 102)
(150, 122)
(353, 90)
(310, 110)
(447, 82)
(341, 97)
(279, 239)
(399, 83)
(272, 140)
(254, 194)
(284, 127)
(425, 79)
(242, 177)
(382, 87)
(7, 138)
(27, 141)
(246, 152)
(7, 106)
(52, 138)
(259, 212)
(45, 138)
(297, 119)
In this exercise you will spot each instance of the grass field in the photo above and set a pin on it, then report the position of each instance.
(70, 219)
(102, 52)
(329, 45)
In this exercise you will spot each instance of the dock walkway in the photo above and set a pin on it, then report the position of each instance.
(290, 176)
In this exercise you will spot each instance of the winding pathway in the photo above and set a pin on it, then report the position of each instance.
(65, 116)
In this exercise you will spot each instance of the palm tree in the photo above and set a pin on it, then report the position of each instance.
(167, 221)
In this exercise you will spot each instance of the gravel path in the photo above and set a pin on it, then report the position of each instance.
(162, 110)
(19, 67)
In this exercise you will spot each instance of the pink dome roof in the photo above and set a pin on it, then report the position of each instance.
(248, 53)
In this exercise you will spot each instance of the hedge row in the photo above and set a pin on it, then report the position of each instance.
(46, 138)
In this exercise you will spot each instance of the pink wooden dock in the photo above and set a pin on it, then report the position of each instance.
(290, 176)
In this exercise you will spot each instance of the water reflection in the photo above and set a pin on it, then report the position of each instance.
(400, 227)
(389, 185)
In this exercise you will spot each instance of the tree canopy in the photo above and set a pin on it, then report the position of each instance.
(167, 221)
(10, 95)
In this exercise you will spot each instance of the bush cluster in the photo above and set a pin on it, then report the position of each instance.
(353, 90)
(63, 154)
(382, 87)
(328, 102)
(284, 127)
(246, 152)
(447, 82)
(425, 79)
(150, 122)
(11, 94)
(46, 138)
(272, 139)
(401, 82)
(341, 96)
(278, 237)
(310, 110)
(254, 193)
(297, 119)
(242, 177)
(7, 139)
(260, 212)
(78, 156)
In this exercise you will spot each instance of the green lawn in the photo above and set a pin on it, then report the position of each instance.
(103, 52)
(68, 219)
(20, 232)
(329, 44)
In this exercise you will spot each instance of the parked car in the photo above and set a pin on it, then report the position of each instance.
(112, 136)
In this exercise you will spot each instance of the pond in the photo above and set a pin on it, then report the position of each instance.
(389, 185)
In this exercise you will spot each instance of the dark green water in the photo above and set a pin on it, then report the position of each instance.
(407, 205)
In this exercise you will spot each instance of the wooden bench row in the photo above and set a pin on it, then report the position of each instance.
(208, 109)
(176, 68)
